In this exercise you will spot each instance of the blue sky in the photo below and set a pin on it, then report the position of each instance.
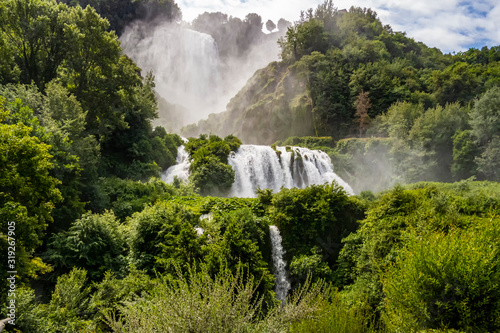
(450, 25)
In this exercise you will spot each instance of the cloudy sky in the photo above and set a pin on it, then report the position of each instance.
(450, 25)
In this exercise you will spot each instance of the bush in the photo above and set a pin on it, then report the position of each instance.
(94, 242)
(162, 235)
(211, 176)
(196, 303)
(446, 281)
(317, 216)
(338, 316)
(209, 169)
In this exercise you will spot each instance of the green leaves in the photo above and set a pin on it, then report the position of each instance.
(446, 281)
(94, 242)
(209, 169)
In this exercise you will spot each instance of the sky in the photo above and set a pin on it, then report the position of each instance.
(450, 25)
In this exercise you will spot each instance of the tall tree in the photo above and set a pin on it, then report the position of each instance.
(362, 105)
(270, 26)
(27, 196)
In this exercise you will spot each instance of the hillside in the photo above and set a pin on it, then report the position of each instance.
(332, 58)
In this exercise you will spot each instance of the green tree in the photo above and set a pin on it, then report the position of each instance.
(34, 31)
(485, 116)
(238, 250)
(488, 163)
(209, 169)
(317, 216)
(162, 236)
(94, 242)
(459, 82)
(465, 149)
(27, 194)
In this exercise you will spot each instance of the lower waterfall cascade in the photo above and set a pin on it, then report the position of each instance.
(265, 168)
(282, 285)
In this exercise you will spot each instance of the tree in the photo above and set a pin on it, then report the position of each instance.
(303, 39)
(35, 33)
(27, 195)
(485, 116)
(270, 26)
(209, 169)
(488, 163)
(445, 281)
(362, 106)
(283, 25)
(93, 242)
(465, 149)
(163, 236)
(459, 82)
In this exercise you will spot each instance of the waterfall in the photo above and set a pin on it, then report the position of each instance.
(263, 167)
(282, 285)
(185, 64)
(180, 169)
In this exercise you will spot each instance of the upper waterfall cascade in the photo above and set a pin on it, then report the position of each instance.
(185, 62)
(263, 167)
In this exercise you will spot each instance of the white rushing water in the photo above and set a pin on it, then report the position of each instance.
(262, 167)
(282, 285)
(180, 169)
(185, 64)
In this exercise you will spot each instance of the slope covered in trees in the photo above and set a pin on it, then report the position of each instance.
(335, 57)
(393, 107)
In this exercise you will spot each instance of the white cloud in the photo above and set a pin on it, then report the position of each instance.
(450, 25)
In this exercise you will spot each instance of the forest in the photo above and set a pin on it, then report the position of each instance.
(93, 240)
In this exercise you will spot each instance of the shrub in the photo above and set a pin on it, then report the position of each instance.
(94, 242)
(196, 303)
(446, 281)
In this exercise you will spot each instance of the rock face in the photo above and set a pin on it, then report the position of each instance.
(273, 105)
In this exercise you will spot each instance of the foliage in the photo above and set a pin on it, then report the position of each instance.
(488, 162)
(304, 266)
(464, 150)
(446, 281)
(316, 217)
(338, 316)
(66, 312)
(95, 83)
(94, 242)
(196, 303)
(113, 292)
(125, 196)
(423, 208)
(226, 302)
(27, 197)
(485, 116)
(121, 13)
(209, 168)
(162, 236)
(239, 244)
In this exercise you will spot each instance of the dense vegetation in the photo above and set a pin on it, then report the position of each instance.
(344, 74)
(209, 169)
(120, 13)
(103, 245)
